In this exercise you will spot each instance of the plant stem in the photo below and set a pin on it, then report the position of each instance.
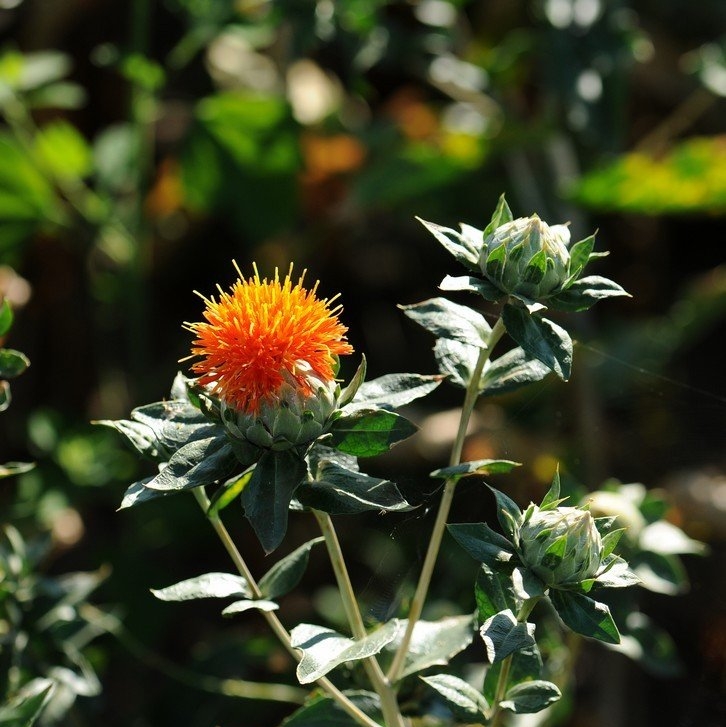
(501, 689)
(437, 534)
(379, 682)
(275, 624)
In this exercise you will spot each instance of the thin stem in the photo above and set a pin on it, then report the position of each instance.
(437, 534)
(274, 623)
(380, 683)
(503, 680)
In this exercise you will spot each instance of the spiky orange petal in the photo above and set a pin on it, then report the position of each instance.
(263, 333)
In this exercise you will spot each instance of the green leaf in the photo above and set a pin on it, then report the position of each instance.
(138, 493)
(540, 338)
(347, 394)
(247, 604)
(340, 491)
(466, 703)
(12, 363)
(482, 543)
(610, 541)
(503, 635)
(450, 320)
(470, 284)
(526, 665)
(228, 492)
(323, 649)
(140, 436)
(63, 151)
(5, 397)
(530, 697)
(6, 317)
(209, 585)
(287, 573)
(322, 711)
(585, 616)
(494, 593)
(23, 709)
(617, 574)
(435, 643)
(9, 469)
(660, 573)
(502, 215)
(454, 243)
(508, 514)
(526, 584)
(552, 496)
(368, 433)
(456, 360)
(580, 256)
(668, 539)
(200, 462)
(649, 645)
(393, 390)
(585, 292)
(267, 496)
(511, 371)
(61, 95)
(478, 467)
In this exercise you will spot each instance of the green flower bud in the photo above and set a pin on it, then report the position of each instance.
(560, 546)
(527, 257)
(291, 419)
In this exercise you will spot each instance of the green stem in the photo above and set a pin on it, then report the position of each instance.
(502, 682)
(380, 683)
(275, 624)
(437, 534)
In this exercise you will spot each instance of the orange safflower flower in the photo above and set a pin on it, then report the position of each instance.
(263, 334)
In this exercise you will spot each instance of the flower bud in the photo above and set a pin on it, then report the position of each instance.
(560, 546)
(290, 419)
(527, 257)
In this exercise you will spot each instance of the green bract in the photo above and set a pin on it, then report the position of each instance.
(293, 420)
(527, 257)
(560, 546)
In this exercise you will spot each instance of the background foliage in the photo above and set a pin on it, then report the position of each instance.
(144, 145)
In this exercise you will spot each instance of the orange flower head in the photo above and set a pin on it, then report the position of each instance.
(264, 334)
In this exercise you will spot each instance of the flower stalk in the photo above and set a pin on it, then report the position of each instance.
(275, 624)
(437, 534)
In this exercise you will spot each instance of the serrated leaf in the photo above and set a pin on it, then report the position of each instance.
(501, 216)
(503, 635)
(530, 697)
(585, 292)
(259, 604)
(478, 467)
(456, 360)
(349, 392)
(446, 319)
(287, 573)
(12, 363)
(482, 543)
(467, 704)
(434, 643)
(266, 497)
(540, 338)
(494, 592)
(339, 491)
(209, 585)
(322, 711)
(470, 284)
(368, 433)
(585, 616)
(511, 371)
(323, 649)
(393, 390)
(6, 317)
(454, 243)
